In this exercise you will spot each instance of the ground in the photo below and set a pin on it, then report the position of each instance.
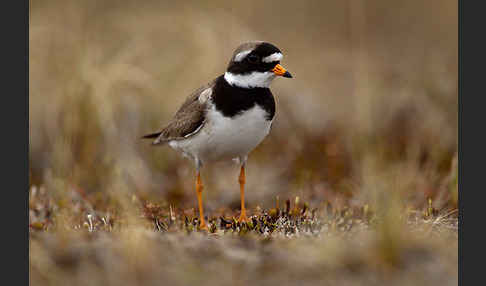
(152, 244)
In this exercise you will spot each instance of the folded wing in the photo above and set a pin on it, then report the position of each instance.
(188, 120)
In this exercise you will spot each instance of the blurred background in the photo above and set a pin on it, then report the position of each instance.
(372, 105)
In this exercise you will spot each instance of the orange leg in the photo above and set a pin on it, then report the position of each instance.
(199, 189)
(242, 180)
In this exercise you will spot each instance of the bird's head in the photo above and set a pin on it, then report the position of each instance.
(255, 64)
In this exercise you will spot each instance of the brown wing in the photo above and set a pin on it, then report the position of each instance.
(188, 120)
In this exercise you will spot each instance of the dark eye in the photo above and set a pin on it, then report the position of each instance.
(253, 59)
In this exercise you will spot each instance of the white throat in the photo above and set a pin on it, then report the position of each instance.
(254, 79)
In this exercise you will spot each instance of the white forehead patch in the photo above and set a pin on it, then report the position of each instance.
(273, 58)
(241, 55)
(254, 79)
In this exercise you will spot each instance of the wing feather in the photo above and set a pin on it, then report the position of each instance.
(188, 120)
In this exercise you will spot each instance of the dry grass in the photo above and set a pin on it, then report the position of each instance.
(281, 246)
(365, 136)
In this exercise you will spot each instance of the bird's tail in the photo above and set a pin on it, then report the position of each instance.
(150, 136)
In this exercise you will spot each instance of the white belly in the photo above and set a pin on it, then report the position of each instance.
(224, 137)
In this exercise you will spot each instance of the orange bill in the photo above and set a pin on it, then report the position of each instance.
(281, 71)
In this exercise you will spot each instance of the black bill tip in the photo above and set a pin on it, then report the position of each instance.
(287, 74)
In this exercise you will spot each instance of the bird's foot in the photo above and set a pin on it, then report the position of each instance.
(243, 217)
(203, 226)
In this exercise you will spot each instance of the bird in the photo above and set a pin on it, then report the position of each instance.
(228, 117)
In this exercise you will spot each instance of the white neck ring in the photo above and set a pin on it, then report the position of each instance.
(254, 79)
